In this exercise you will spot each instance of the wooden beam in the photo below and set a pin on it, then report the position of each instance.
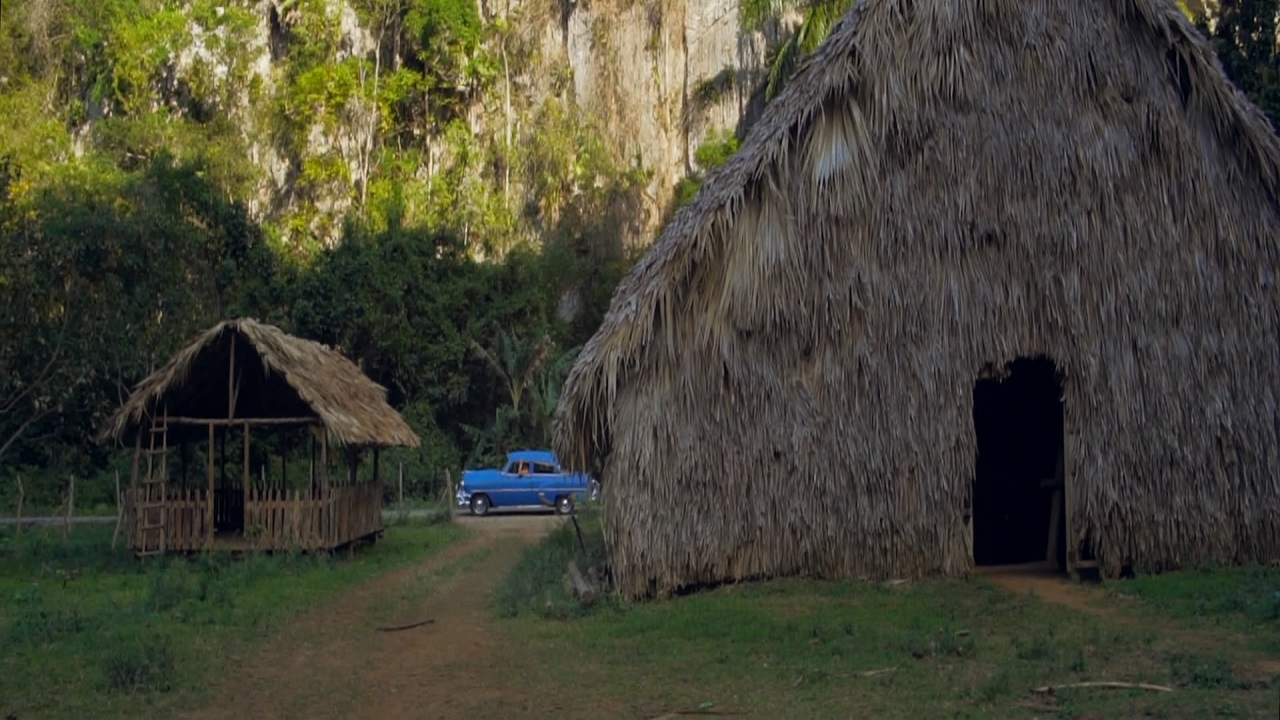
(212, 494)
(221, 422)
(245, 476)
(231, 379)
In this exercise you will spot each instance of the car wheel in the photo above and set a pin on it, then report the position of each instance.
(564, 505)
(479, 505)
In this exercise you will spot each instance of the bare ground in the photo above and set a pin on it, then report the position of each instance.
(333, 662)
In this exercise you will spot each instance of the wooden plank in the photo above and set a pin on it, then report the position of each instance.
(256, 422)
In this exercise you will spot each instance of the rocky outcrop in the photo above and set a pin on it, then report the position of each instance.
(656, 77)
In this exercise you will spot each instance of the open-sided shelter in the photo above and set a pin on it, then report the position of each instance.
(234, 377)
(804, 373)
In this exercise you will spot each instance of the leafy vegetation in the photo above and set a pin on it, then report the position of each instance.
(88, 631)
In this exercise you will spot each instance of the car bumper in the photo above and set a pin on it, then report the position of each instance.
(462, 499)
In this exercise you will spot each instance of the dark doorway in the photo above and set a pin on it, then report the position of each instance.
(1018, 515)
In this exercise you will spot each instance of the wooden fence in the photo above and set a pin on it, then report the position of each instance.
(274, 519)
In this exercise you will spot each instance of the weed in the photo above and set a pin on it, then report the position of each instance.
(1197, 671)
(535, 586)
(35, 622)
(1039, 648)
(997, 686)
(138, 662)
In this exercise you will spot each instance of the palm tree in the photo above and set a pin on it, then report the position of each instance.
(817, 17)
(517, 361)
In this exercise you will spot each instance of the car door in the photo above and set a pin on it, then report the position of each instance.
(546, 482)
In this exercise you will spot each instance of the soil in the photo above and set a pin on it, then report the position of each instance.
(333, 662)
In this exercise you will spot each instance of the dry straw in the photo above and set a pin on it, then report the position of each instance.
(783, 384)
(352, 408)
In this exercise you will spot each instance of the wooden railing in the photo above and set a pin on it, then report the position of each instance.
(274, 519)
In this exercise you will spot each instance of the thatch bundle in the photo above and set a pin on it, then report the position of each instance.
(784, 383)
(281, 376)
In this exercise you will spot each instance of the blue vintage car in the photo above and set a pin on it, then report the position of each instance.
(527, 477)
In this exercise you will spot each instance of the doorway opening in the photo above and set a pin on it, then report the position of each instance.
(1018, 513)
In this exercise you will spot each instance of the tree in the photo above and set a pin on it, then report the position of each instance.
(1243, 33)
(816, 19)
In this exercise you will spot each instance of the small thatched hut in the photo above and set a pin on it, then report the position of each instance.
(238, 375)
(801, 376)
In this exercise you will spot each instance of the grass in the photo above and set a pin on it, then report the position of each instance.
(955, 648)
(91, 632)
(535, 588)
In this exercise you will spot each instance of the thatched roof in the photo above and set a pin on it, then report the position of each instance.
(280, 376)
(945, 184)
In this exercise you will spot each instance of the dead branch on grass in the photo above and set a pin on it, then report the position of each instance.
(1102, 684)
(410, 626)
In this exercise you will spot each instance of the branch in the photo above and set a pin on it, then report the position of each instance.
(1103, 684)
(44, 372)
(13, 438)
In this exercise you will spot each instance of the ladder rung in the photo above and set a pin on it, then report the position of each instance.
(151, 526)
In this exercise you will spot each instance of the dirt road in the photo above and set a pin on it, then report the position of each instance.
(333, 662)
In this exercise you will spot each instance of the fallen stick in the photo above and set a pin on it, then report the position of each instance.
(410, 626)
(707, 711)
(1103, 684)
(873, 673)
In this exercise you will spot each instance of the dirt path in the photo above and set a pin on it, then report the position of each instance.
(332, 662)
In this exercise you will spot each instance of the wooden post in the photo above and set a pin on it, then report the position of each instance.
(403, 514)
(18, 515)
(326, 518)
(209, 516)
(71, 503)
(448, 488)
(131, 503)
(119, 512)
(244, 479)
(581, 588)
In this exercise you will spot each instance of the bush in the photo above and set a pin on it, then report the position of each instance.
(138, 662)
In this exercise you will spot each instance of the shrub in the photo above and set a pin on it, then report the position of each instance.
(138, 662)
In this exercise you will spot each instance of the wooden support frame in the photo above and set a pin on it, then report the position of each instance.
(211, 498)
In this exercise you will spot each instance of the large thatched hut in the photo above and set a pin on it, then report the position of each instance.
(236, 376)
(803, 375)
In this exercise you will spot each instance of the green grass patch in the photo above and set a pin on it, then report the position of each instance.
(1242, 599)
(92, 632)
(937, 648)
(535, 586)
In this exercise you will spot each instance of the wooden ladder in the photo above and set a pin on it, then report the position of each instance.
(151, 506)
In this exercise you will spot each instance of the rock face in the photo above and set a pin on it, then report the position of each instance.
(661, 75)
(656, 77)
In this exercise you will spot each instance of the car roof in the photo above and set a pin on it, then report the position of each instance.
(532, 455)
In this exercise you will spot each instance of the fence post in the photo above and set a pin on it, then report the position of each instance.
(71, 503)
(119, 512)
(21, 494)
